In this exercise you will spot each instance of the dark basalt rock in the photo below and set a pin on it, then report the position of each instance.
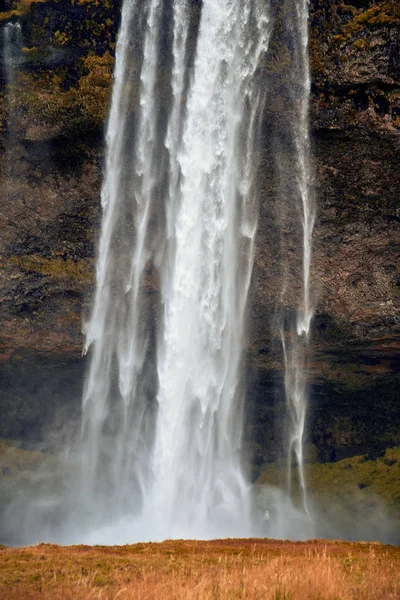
(50, 209)
(40, 397)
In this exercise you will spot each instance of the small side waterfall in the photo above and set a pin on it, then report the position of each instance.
(295, 333)
(162, 429)
(12, 47)
(12, 58)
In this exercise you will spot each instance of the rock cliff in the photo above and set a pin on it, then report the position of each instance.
(53, 103)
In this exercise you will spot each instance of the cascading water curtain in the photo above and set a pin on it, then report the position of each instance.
(160, 449)
(12, 59)
(162, 408)
(295, 334)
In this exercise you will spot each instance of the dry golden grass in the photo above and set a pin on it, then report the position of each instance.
(224, 569)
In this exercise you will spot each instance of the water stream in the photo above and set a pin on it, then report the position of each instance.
(162, 409)
(295, 329)
(160, 450)
(12, 50)
(12, 58)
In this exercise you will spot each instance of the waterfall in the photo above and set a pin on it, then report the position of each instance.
(12, 58)
(159, 454)
(162, 407)
(295, 334)
(12, 47)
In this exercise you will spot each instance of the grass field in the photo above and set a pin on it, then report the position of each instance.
(223, 569)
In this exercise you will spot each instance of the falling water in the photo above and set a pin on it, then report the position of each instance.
(12, 47)
(295, 336)
(12, 53)
(162, 407)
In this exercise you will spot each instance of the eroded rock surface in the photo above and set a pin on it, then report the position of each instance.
(51, 153)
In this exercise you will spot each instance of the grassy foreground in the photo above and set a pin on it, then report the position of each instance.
(223, 569)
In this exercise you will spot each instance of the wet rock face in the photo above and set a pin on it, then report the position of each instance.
(51, 153)
(353, 363)
(40, 397)
(53, 103)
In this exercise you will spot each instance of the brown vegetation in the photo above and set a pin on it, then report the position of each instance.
(254, 569)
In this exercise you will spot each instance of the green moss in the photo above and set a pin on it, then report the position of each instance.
(94, 87)
(384, 13)
(359, 44)
(356, 32)
(380, 476)
(9, 14)
(24, 471)
(347, 9)
(44, 98)
(311, 453)
(56, 268)
(62, 38)
(73, 95)
(14, 460)
(40, 98)
(19, 8)
(379, 15)
(345, 478)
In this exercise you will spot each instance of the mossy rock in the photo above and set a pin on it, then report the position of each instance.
(80, 270)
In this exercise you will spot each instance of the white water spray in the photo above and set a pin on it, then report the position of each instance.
(295, 336)
(162, 429)
(12, 53)
(12, 48)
